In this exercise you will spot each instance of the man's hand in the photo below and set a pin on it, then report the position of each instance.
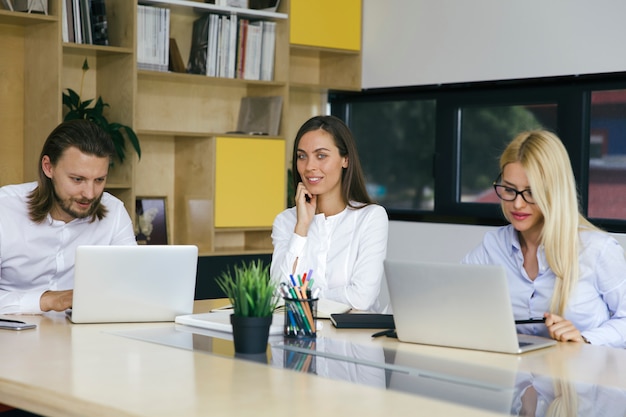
(56, 300)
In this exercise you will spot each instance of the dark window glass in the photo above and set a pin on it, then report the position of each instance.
(607, 155)
(430, 153)
(396, 142)
(484, 133)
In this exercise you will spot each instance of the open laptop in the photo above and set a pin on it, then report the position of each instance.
(455, 305)
(142, 283)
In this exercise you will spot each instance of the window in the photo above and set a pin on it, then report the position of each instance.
(431, 153)
(484, 133)
(396, 143)
(607, 155)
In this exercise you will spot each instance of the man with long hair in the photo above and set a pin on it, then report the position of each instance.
(42, 223)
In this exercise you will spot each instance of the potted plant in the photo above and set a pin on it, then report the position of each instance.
(254, 297)
(79, 109)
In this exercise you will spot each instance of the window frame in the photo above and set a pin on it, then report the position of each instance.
(571, 94)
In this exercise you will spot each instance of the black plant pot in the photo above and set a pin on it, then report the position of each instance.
(250, 334)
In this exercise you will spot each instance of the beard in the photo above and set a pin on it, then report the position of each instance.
(66, 206)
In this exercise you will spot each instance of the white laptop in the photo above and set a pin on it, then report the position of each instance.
(455, 305)
(142, 283)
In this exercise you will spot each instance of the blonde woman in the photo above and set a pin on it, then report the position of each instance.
(560, 267)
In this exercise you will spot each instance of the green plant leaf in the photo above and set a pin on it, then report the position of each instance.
(133, 139)
(250, 289)
(71, 99)
(119, 133)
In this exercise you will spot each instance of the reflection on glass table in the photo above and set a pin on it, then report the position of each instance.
(326, 357)
(537, 395)
(503, 389)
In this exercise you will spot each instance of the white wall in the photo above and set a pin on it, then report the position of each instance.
(434, 242)
(423, 42)
(439, 242)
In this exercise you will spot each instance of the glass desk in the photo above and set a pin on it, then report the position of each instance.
(506, 389)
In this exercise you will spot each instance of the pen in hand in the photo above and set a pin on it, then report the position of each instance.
(531, 321)
(12, 321)
(389, 333)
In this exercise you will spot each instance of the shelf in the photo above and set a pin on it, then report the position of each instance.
(253, 240)
(323, 69)
(25, 19)
(314, 50)
(180, 118)
(211, 8)
(182, 135)
(236, 251)
(180, 77)
(319, 88)
(94, 50)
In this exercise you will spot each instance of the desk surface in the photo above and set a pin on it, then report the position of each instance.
(64, 369)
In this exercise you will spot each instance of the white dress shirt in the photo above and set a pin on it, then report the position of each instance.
(37, 257)
(597, 305)
(345, 252)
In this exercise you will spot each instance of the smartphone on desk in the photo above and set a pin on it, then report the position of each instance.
(15, 325)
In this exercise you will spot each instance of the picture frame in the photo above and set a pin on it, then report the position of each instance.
(151, 220)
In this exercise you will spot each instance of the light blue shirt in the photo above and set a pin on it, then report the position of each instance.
(597, 305)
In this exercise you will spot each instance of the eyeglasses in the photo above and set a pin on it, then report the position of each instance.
(506, 193)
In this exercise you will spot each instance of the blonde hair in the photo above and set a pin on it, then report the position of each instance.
(549, 171)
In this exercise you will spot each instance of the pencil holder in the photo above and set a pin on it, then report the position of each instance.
(300, 317)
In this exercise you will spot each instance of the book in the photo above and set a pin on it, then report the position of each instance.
(267, 5)
(220, 321)
(197, 63)
(260, 115)
(29, 6)
(7, 5)
(153, 38)
(65, 30)
(78, 32)
(325, 308)
(241, 48)
(68, 17)
(232, 47)
(214, 30)
(176, 63)
(85, 19)
(252, 54)
(222, 49)
(99, 25)
(362, 321)
(268, 51)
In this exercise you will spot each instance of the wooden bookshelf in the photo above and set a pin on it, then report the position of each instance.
(180, 118)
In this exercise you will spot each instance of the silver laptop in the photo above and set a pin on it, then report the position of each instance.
(455, 305)
(133, 283)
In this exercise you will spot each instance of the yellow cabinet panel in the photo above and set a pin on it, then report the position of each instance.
(249, 181)
(326, 23)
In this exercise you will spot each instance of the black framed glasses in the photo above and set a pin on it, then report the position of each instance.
(506, 193)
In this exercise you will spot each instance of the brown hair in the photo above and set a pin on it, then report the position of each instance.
(87, 137)
(352, 178)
